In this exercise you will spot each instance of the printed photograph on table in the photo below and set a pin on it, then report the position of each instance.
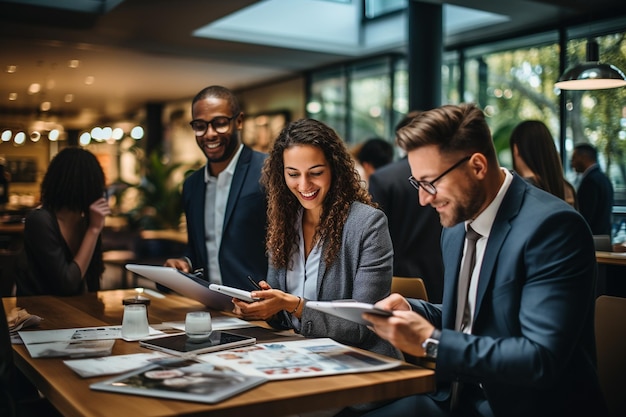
(181, 379)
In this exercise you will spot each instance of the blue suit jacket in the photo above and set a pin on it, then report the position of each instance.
(532, 344)
(242, 251)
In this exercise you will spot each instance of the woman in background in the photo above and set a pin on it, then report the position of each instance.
(62, 244)
(536, 159)
(325, 239)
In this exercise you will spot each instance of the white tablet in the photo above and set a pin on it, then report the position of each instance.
(348, 309)
(233, 292)
(185, 284)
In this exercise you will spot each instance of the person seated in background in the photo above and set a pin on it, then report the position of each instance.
(223, 201)
(62, 252)
(536, 159)
(373, 154)
(595, 191)
(515, 333)
(416, 250)
(7, 401)
(325, 239)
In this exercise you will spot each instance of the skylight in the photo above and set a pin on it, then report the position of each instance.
(329, 27)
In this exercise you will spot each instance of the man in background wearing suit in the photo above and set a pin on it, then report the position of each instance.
(415, 229)
(595, 191)
(517, 339)
(224, 202)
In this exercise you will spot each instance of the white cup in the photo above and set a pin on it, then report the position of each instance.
(135, 321)
(198, 325)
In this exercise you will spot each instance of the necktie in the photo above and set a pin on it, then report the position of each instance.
(465, 275)
(462, 307)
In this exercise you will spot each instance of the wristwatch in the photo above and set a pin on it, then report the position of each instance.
(431, 345)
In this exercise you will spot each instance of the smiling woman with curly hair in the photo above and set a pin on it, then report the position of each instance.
(326, 240)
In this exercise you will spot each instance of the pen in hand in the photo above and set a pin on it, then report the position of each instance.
(254, 283)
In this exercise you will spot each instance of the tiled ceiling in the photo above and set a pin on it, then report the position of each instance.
(140, 51)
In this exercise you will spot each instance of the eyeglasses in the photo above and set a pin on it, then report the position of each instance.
(220, 124)
(429, 186)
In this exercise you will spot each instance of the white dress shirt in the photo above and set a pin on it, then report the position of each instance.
(482, 224)
(216, 197)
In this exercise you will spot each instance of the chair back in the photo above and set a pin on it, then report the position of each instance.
(602, 243)
(610, 328)
(409, 287)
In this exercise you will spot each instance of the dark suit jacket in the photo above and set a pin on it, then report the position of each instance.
(595, 201)
(415, 230)
(532, 345)
(242, 251)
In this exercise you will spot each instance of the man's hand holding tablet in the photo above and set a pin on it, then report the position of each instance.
(349, 310)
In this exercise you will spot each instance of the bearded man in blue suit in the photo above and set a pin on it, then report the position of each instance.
(526, 345)
(224, 202)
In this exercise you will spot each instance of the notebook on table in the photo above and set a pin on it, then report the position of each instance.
(185, 284)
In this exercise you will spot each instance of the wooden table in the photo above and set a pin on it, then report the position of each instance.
(71, 395)
(611, 258)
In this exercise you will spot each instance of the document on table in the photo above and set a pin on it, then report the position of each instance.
(76, 342)
(110, 365)
(299, 359)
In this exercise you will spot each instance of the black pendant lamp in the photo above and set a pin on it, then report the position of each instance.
(591, 75)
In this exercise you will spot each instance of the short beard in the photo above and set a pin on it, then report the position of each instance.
(229, 151)
(468, 208)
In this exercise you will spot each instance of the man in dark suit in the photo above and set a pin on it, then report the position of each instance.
(518, 339)
(595, 191)
(224, 202)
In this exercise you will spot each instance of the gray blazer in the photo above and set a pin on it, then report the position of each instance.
(362, 272)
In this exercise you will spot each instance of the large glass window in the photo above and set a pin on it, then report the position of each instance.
(512, 80)
(513, 85)
(362, 100)
(598, 117)
(370, 96)
(328, 99)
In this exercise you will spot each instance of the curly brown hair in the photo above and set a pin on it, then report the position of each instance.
(283, 207)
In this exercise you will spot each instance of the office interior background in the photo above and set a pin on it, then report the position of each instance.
(118, 76)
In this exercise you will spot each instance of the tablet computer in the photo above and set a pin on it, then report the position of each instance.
(348, 309)
(181, 344)
(185, 284)
(233, 292)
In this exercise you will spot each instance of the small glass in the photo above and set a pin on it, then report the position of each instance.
(135, 321)
(198, 325)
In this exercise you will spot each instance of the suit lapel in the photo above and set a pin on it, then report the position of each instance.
(239, 177)
(499, 231)
(198, 215)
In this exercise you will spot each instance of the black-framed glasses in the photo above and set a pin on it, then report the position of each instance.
(221, 124)
(429, 186)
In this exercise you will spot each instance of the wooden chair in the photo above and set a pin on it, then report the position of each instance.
(409, 287)
(610, 326)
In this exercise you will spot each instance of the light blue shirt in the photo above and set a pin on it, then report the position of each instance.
(302, 277)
